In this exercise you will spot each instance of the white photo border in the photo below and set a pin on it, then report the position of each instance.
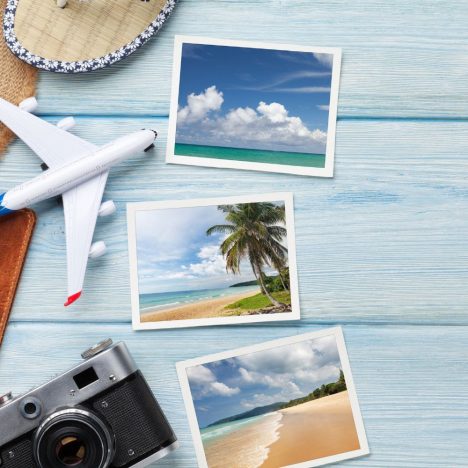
(133, 208)
(172, 158)
(337, 332)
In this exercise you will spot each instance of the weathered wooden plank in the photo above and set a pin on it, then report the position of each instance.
(384, 241)
(411, 381)
(400, 58)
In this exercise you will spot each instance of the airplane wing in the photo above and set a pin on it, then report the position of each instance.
(57, 147)
(52, 144)
(81, 205)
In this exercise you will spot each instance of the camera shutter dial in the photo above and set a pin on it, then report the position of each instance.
(6, 398)
(96, 349)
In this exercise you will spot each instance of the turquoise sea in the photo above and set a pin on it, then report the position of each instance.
(251, 155)
(211, 433)
(168, 300)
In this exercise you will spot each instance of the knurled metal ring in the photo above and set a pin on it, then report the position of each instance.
(96, 349)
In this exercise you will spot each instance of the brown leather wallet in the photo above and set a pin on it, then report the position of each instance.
(15, 234)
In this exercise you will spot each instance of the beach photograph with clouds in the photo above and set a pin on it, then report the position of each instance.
(254, 106)
(288, 402)
(212, 261)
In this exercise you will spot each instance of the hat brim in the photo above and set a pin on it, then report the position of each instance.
(83, 36)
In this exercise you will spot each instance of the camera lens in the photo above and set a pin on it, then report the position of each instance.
(73, 437)
(70, 451)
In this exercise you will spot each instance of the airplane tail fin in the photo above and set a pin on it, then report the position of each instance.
(3, 209)
(71, 299)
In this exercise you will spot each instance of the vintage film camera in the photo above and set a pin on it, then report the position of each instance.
(99, 414)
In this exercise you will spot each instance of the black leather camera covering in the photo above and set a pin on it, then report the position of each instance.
(136, 419)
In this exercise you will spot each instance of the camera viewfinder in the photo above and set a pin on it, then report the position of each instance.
(85, 378)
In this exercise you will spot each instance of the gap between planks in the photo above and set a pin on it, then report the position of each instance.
(344, 118)
(299, 324)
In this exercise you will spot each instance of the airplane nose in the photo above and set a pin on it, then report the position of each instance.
(155, 136)
(151, 130)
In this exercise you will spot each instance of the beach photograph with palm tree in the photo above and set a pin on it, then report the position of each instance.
(212, 261)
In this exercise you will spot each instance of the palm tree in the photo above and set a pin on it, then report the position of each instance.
(253, 232)
(280, 263)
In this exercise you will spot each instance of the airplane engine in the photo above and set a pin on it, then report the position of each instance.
(29, 104)
(97, 249)
(66, 123)
(107, 208)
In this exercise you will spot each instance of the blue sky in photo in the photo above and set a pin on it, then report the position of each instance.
(242, 78)
(175, 254)
(232, 386)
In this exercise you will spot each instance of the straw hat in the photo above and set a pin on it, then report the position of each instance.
(83, 35)
(18, 82)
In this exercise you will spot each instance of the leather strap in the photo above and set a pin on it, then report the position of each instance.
(15, 234)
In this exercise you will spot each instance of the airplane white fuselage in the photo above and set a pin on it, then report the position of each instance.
(53, 182)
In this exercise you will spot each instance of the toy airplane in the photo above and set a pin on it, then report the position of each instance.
(77, 170)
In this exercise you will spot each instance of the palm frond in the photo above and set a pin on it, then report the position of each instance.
(220, 228)
(254, 232)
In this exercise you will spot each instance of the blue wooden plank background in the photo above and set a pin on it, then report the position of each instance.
(382, 247)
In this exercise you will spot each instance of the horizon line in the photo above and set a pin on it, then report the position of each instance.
(248, 149)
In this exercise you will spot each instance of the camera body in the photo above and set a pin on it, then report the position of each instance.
(99, 414)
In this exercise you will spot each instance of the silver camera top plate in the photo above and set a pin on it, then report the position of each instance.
(108, 367)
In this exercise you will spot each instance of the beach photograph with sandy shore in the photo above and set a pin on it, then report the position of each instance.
(289, 402)
(212, 261)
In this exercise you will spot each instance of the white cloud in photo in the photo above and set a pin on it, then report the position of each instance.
(289, 392)
(162, 233)
(325, 59)
(205, 384)
(212, 262)
(220, 388)
(200, 375)
(289, 359)
(199, 105)
(174, 252)
(327, 372)
(324, 107)
(287, 371)
(165, 237)
(274, 375)
(268, 126)
(282, 380)
(284, 79)
(304, 89)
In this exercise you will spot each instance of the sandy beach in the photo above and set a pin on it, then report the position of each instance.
(316, 429)
(245, 447)
(201, 309)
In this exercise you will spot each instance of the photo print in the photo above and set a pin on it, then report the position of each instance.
(289, 402)
(257, 106)
(212, 261)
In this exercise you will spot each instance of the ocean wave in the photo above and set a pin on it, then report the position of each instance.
(276, 425)
(158, 307)
(214, 432)
(246, 441)
(156, 301)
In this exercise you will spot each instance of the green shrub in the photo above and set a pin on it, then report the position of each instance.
(259, 301)
(325, 390)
